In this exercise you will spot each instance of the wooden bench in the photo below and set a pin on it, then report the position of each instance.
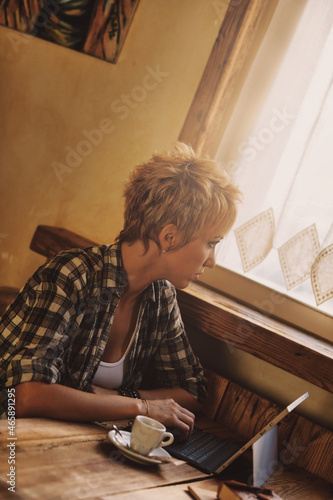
(305, 448)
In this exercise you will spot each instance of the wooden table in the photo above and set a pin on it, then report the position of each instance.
(67, 461)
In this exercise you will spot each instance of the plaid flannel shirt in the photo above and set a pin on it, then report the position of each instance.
(57, 328)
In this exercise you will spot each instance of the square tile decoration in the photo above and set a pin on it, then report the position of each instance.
(255, 239)
(322, 275)
(297, 256)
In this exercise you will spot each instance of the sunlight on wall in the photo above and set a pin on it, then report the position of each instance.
(73, 126)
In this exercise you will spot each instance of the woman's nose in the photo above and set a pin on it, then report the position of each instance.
(210, 262)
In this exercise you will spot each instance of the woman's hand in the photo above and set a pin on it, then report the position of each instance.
(171, 414)
(162, 408)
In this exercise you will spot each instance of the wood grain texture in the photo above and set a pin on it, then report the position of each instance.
(246, 413)
(216, 387)
(232, 48)
(64, 460)
(296, 484)
(291, 485)
(301, 442)
(176, 492)
(312, 448)
(33, 431)
(261, 336)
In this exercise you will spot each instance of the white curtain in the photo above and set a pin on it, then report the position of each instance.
(279, 147)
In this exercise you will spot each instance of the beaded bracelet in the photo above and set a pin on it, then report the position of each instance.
(121, 392)
(129, 392)
(134, 393)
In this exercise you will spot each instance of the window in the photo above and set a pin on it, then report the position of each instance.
(279, 147)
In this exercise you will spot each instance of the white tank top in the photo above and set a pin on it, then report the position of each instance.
(111, 375)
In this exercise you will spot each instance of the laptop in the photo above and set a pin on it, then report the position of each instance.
(212, 454)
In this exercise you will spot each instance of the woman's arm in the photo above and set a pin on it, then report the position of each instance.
(37, 399)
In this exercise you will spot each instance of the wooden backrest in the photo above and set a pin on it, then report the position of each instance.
(49, 240)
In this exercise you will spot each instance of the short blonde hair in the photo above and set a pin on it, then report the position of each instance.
(177, 187)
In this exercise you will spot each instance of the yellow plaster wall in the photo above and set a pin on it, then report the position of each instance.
(52, 97)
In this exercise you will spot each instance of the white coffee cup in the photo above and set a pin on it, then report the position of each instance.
(148, 434)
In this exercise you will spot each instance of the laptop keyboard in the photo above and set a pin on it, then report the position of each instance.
(204, 450)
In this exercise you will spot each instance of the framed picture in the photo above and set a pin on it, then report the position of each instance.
(94, 27)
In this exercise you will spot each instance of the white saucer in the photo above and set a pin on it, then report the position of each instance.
(133, 455)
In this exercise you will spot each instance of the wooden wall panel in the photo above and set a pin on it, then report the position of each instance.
(312, 448)
(301, 443)
(217, 387)
(246, 413)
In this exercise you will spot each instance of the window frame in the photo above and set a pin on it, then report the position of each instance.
(242, 29)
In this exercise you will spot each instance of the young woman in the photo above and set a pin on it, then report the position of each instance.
(96, 333)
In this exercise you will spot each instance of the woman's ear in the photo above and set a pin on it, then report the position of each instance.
(168, 237)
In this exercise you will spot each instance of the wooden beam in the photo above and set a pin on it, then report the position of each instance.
(231, 53)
